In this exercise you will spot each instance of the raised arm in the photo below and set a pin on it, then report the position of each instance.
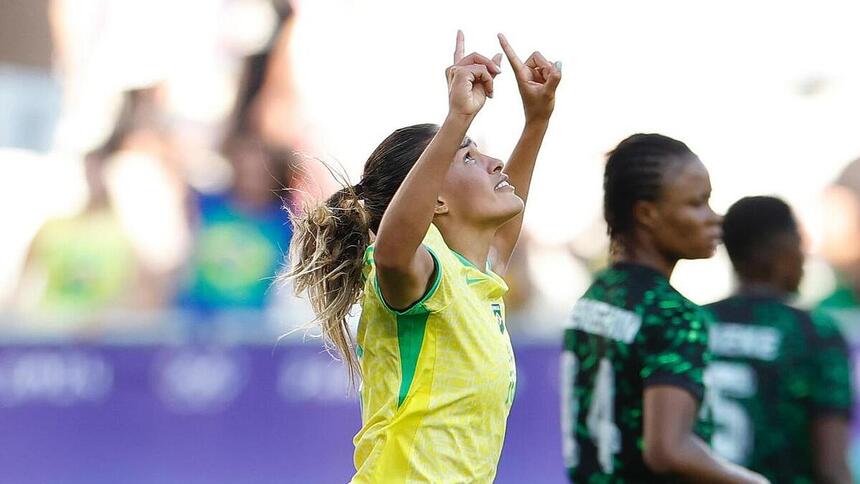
(537, 80)
(404, 267)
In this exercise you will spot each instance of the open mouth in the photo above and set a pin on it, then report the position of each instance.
(503, 184)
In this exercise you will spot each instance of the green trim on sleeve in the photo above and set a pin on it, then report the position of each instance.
(368, 254)
(466, 262)
(410, 337)
(418, 307)
(463, 259)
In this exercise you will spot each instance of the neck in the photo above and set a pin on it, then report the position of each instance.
(96, 203)
(644, 253)
(761, 288)
(473, 243)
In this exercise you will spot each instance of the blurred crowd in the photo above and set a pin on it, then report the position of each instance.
(181, 215)
(151, 152)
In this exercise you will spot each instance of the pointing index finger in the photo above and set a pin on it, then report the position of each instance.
(515, 61)
(459, 49)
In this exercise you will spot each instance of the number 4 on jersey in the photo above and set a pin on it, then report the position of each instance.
(600, 420)
(601, 417)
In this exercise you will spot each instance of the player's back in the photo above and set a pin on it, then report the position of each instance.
(630, 330)
(775, 369)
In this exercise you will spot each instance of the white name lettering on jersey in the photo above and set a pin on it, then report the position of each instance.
(745, 341)
(605, 320)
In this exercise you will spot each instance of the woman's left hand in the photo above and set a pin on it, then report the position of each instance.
(537, 79)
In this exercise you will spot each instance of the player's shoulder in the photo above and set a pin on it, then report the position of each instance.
(672, 309)
(789, 318)
(809, 325)
(433, 242)
(667, 299)
(776, 309)
(823, 324)
(717, 306)
(631, 286)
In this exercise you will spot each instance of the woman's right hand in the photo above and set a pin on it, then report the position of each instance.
(470, 80)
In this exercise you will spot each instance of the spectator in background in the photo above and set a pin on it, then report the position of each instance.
(149, 192)
(85, 264)
(120, 251)
(276, 106)
(842, 249)
(275, 110)
(241, 233)
(30, 95)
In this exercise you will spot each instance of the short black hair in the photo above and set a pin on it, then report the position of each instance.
(635, 171)
(752, 224)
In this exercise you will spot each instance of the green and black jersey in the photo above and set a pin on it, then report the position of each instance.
(843, 305)
(630, 330)
(775, 369)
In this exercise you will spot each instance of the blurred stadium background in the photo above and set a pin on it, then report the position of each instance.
(145, 152)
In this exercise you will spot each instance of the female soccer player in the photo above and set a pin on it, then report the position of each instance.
(433, 354)
(780, 383)
(636, 349)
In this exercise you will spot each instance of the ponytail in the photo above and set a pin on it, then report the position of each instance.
(329, 239)
(326, 260)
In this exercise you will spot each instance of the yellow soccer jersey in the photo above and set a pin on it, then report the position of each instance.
(438, 378)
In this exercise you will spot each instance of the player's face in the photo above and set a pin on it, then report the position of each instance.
(841, 242)
(685, 225)
(476, 189)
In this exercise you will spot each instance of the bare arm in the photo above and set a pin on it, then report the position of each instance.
(670, 447)
(830, 437)
(537, 80)
(404, 268)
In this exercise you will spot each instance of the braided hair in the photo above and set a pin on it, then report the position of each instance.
(635, 170)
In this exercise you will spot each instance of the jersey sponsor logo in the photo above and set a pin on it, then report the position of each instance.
(497, 312)
(745, 341)
(473, 280)
(602, 319)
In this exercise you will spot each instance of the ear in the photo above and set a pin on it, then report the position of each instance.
(441, 207)
(788, 257)
(646, 213)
